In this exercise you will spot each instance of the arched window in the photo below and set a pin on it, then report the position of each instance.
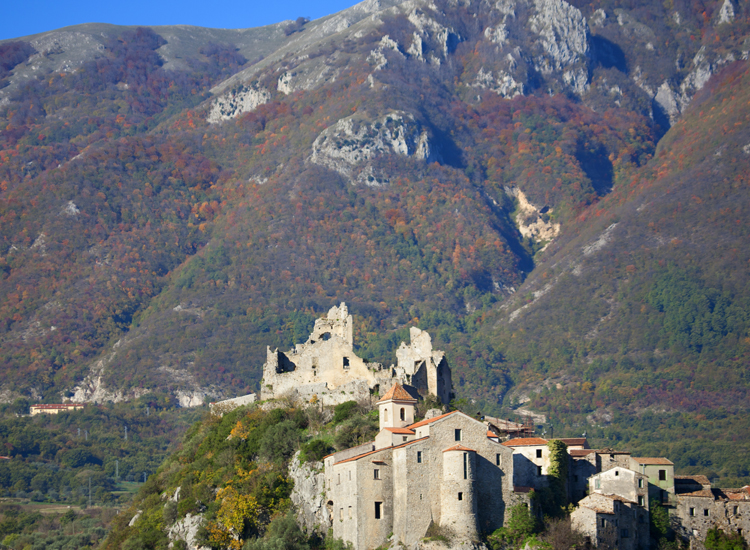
(403, 413)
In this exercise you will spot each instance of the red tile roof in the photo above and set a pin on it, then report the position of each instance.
(397, 393)
(703, 480)
(459, 447)
(524, 441)
(653, 461)
(492, 434)
(430, 420)
(378, 450)
(405, 431)
(573, 440)
(580, 452)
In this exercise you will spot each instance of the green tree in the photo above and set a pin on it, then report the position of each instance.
(716, 539)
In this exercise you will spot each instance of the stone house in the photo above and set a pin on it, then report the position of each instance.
(611, 521)
(530, 461)
(699, 508)
(442, 471)
(622, 482)
(56, 408)
(326, 369)
(660, 472)
(584, 463)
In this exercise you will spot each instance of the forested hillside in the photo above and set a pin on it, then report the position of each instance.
(555, 190)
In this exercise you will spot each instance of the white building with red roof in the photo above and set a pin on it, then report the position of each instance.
(443, 471)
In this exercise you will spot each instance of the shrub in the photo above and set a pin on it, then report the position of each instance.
(344, 411)
(314, 450)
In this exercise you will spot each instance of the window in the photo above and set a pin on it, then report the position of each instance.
(597, 483)
(705, 512)
(419, 457)
(497, 460)
(624, 533)
(338, 479)
(617, 473)
(736, 509)
(376, 473)
(640, 483)
(662, 475)
(603, 522)
(378, 506)
(641, 501)
(403, 438)
(538, 470)
(346, 362)
(457, 434)
(460, 496)
(539, 453)
(350, 512)
(403, 413)
(466, 466)
(692, 511)
(575, 478)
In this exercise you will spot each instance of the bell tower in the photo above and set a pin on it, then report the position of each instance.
(396, 408)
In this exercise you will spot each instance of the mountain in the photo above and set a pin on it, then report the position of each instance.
(555, 190)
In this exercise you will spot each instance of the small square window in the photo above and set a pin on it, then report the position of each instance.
(457, 434)
(403, 438)
(376, 473)
(460, 496)
(662, 475)
(705, 512)
(692, 511)
(498, 459)
(640, 483)
(641, 501)
(378, 507)
(419, 457)
(538, 470)
(736, 509)
(575, 478)
(539, 453)
(346, 362)
(617, 473)
(625, 533)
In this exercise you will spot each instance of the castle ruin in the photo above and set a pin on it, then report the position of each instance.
(327, 369)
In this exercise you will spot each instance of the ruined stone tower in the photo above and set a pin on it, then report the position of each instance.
(327, 369)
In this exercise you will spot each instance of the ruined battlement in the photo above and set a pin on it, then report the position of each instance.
(326, 367)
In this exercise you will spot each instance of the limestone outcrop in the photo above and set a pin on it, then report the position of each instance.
(349, 146)
(308, 495)
(237, 101)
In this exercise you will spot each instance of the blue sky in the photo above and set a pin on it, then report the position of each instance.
(25, 17)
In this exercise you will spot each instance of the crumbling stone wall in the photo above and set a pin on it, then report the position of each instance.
(326, 369)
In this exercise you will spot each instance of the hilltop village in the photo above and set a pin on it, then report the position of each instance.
(461, 474)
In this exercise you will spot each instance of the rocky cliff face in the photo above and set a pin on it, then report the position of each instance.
(308, 495)
(350, 146)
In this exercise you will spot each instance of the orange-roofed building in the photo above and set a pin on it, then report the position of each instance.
(443, 470)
